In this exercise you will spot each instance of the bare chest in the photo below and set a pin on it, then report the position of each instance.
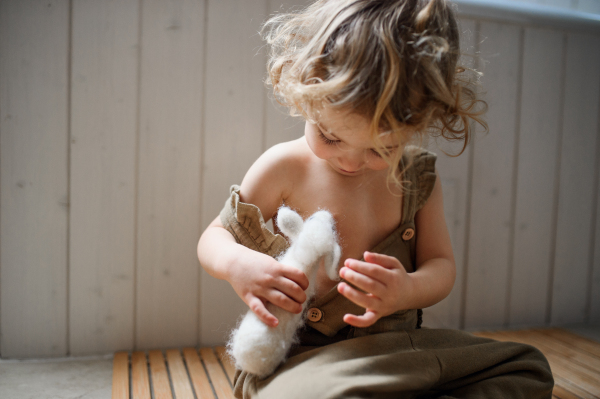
(364, 210)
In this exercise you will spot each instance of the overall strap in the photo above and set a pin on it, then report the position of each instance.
(418, 166)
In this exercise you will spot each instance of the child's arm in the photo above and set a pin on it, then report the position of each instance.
(389, 287)
(257, 278)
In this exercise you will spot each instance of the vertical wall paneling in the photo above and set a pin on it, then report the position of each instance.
(538, 144)
(580, 127)
(490, 220)
(594, 286)
(280, 126)
(34, 39)
(103, 154)
(235, 101)
(168, 220)
(454, 172)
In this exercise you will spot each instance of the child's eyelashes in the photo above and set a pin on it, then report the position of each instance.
(375, 153)
(326, 140)
(329, 141)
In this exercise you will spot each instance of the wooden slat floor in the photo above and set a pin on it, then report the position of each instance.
(207, 373)
(574, 360)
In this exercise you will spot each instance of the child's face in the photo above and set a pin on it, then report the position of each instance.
(342, 139)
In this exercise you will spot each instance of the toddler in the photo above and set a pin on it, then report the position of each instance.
(372, 78)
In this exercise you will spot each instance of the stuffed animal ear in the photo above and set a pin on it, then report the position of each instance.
(331, 262)
(289, 222)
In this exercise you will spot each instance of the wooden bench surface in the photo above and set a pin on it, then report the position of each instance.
(208, 373)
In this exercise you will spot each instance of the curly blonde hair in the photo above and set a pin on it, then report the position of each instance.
(393, 61)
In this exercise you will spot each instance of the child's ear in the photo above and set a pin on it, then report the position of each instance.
(289, 222)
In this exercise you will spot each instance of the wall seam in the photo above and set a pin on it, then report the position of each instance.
(137, 172)
(554, 228)
(469, 194)
(592, 251)
(202, 157)
(69, 132)
(515, 177)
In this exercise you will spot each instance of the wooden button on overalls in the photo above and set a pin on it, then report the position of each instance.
(314, 314)
(408, 234)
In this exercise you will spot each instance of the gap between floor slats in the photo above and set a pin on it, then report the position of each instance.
(208, 373)
(186, 374)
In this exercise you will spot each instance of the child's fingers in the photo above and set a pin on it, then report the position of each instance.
(373, 270)
(389, 262)
(366, 301)
(281, 300)
(296, 276)
(366, 320)
(364, 282)
(260, 310)
(291, 289)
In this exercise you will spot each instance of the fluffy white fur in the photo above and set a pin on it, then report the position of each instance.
(259, 349)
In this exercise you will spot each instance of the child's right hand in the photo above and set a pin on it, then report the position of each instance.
(259, 279)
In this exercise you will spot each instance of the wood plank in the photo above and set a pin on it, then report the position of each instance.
(179, 375)
(34, 195)
(572, 261)
(454, 174)
(216, 374)
(568, 352)
(198, 375)
(226, 361)
(539, 135)
(161, 387)
(560, 392)
(140, 384)
(171, 97)
(120, 380)
(103, 155)
(234, 135)
(562, 376)
(573, 372)
(493, 167)
(574, 389)
(577, 341)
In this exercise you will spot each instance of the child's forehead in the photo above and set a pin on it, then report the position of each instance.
(340, 119)
(346, 124)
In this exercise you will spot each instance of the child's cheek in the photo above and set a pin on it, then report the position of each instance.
(378, 164)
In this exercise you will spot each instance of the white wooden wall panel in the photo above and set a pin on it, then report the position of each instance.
(103, 154)
(491, 213)
(535, 197)
(117, 151)
(234, 139)
(577, 164)
(34, 39)
(279, 125)
(168, 220)
(594, 284)
(454, 173)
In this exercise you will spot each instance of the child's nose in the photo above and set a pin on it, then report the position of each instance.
(352, 162)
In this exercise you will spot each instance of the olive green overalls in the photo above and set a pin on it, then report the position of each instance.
(395, 357)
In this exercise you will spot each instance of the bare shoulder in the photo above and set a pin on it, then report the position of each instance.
(271, 178)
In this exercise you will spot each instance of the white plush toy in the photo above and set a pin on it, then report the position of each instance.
(259, 349)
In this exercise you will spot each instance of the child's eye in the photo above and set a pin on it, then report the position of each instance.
(326, 140)
(373, 152)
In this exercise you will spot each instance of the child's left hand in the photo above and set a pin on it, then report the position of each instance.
(386, 283)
